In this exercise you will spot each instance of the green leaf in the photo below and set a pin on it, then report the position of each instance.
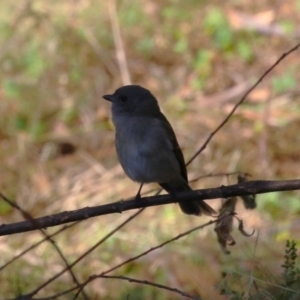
(35, 64)
(244, 50)
(216, 26)
(281, 84)
(20, 123)
(11, 89)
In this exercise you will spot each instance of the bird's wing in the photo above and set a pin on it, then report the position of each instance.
(174, 145)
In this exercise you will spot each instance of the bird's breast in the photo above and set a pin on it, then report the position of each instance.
(145, 153)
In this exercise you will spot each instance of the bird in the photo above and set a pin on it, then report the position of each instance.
(147, 147)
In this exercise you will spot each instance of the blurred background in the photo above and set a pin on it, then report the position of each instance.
(57, 153)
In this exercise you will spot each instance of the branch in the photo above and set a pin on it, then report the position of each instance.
(179, 236)
(146, 282)
(261, 78)
(35, 245)
(241, 189)
(47, 238)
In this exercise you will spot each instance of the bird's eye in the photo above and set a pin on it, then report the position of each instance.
(123, 98)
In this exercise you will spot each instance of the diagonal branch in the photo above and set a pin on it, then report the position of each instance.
(146, 282)
(48, 238)
(104, 273)
(241, 189)
(261, 78)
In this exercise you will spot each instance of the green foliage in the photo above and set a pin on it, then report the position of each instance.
(75, 72)
(291, 273)
(20, 123)
(58, 58)
(145, 46)
(278, 204)
(216, 26)
(272, 204)
(181, 45)
(285, 82)
(244, 50)
(34, 63)
(133, 15)
(172, 12)
(293, 203)
(290, 280)
(288, 26)
(202, 65)
(11, 88)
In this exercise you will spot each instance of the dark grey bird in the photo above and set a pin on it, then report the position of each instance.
(147, 147)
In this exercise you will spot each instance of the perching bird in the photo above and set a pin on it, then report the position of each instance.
(147, 147)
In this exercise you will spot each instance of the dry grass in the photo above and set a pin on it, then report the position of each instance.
(58, 59)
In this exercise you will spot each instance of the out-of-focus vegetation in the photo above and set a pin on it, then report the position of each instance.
(58, 58)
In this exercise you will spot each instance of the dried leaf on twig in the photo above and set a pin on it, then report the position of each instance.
(241, 228)
(224, 224)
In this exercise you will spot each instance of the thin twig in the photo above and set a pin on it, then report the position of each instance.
(179, 236)
(83, 255)
(160, 286)
(212, 134)
(37, 244)
(47, 237)
(135, 257)
(196, 154)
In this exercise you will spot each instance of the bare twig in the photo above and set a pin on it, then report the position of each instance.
(212, 134)
(160, 286)
(83, 255)
(174, 290)
(115, 207)
(47, 237)
(37, 244)
(130, 259)
(241, 189)
(179, 236)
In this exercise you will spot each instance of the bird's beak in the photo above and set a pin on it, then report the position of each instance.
(108, 97)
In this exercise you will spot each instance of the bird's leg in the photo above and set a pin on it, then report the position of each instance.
(138, 195)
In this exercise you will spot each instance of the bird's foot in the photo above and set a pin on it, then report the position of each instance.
(138, 198)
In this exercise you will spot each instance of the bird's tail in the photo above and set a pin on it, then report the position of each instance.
(197, 207)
